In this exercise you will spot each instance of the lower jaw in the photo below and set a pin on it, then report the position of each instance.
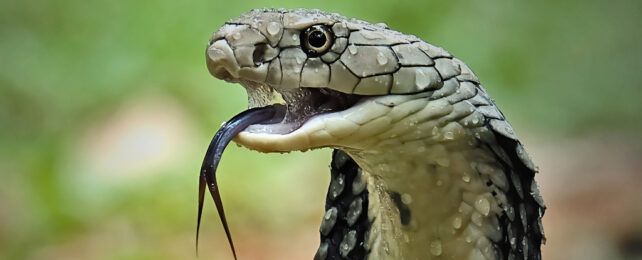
(286, 137)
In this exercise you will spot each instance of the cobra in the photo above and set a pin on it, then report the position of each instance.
(425, 165)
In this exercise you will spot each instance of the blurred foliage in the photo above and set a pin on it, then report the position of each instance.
(556, 68)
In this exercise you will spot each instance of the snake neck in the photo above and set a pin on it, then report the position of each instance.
(450, 199)
(429, 201)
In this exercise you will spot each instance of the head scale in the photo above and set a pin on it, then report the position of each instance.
(288, 49)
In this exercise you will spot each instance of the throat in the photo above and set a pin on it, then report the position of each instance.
(442, 202)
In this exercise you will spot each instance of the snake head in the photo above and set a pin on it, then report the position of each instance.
(327, 70)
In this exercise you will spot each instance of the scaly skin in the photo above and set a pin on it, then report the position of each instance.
(443, 172)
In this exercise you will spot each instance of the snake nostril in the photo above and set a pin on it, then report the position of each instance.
(258, 56)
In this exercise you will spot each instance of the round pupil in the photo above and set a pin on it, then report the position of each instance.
(317, 39)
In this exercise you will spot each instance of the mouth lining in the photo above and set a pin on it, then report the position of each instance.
(293, 107)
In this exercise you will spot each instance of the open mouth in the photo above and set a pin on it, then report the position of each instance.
(293, 107)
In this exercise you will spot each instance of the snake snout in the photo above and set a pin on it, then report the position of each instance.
(240, 51)
(221, 61)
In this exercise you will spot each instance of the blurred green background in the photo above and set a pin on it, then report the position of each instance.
(106, 109)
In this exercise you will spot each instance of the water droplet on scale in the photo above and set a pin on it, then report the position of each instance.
(457, 222)
(384, 25)
(381, 59)
(371, 35)
(406, 198)
(435, 131)
(435, 247)
(449, 135)
(483, 206)
(273, 28)
(295, 37)
(421, 79)
(236, 35)
(352, 49)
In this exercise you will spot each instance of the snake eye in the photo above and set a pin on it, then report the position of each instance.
(316, 40)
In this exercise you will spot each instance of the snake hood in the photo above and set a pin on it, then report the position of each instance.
(426, 165)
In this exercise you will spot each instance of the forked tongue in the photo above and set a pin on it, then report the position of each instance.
(208, 170)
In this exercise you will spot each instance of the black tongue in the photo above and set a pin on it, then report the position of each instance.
(208, 170)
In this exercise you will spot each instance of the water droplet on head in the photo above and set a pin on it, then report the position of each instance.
(352, 49)
(384, 25)
(421, 80)
(273, 28)
(236, 35)
(295, 37)
(371, 35)
(466, 178)
(449, 135)
(381, 59)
